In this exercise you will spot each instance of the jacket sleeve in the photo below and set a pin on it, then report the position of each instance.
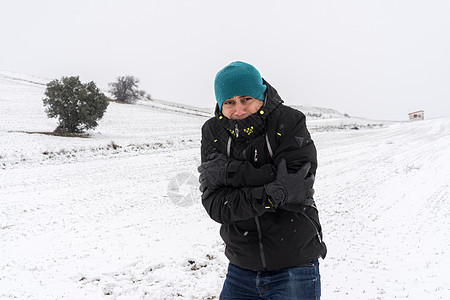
(228, 204)
(294, 143)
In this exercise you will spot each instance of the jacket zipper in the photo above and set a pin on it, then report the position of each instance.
(261, 247)
(258, 225)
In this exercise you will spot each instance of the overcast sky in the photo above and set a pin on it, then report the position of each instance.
(373, 59)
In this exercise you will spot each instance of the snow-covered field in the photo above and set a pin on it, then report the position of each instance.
(118, 215)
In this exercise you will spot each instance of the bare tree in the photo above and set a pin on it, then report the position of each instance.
(125, 89)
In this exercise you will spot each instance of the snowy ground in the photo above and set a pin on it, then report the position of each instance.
(118, 215)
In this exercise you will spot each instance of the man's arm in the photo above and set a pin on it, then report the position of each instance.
(227, 204)
(294, 144)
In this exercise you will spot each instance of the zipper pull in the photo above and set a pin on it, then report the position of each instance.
(255, 158)
(236, 129)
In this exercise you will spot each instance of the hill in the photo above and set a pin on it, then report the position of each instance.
(119, 215)
(124, 130)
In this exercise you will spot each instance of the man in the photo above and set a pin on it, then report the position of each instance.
(257, 176)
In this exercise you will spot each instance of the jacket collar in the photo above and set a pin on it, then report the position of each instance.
(253, 124)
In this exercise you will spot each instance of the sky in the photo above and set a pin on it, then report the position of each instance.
(372, 59)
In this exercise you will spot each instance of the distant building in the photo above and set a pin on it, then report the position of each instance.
(417, 115)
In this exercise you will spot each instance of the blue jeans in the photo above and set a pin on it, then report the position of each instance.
(302, 283)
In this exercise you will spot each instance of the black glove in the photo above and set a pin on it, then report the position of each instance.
(291, 188)
(213, 172)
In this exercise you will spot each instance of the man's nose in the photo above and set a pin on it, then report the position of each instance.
(240, 108)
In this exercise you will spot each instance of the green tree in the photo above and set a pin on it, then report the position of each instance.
(125, 89)
(77, 106)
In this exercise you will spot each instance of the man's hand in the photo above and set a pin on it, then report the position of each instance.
(213, 172)
(291, 188)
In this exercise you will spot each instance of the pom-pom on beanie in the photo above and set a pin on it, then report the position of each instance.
(238, 79)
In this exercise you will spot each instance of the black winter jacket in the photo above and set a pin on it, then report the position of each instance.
(257, 236)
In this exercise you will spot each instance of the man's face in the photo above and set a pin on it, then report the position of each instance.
(240, 107)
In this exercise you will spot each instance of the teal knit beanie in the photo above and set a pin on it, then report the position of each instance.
(238, 79)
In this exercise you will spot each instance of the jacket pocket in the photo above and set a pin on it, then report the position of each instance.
(314, 222)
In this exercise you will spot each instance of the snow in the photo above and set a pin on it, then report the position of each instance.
(118, 215)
